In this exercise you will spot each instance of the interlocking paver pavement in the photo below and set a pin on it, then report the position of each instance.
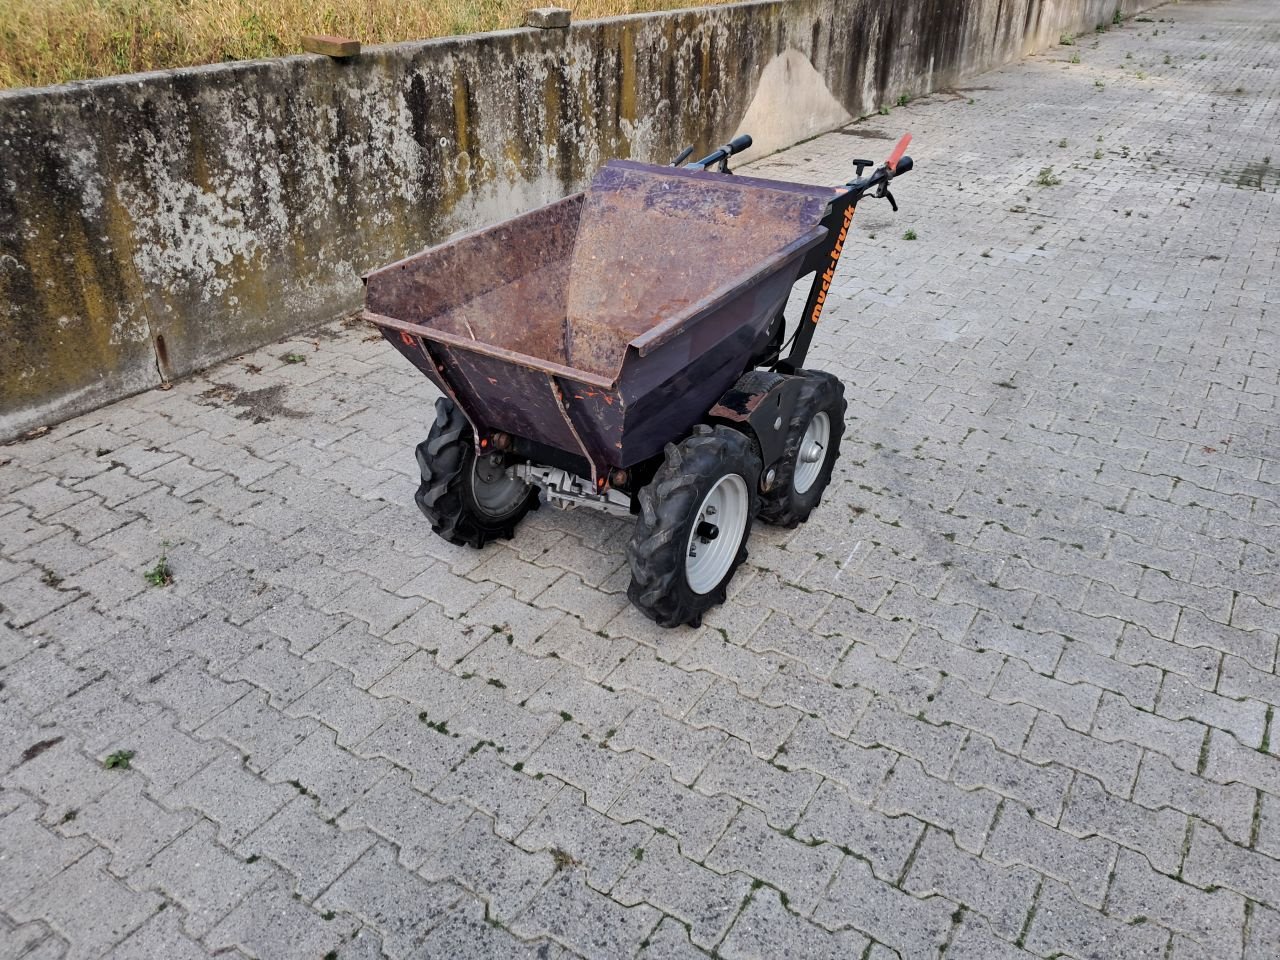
(1012, 692)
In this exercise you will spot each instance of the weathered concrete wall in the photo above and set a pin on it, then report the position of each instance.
(153, 224)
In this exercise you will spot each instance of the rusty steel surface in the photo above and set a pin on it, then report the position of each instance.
(604, 324)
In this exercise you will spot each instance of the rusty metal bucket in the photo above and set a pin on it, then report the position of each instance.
(603, 325)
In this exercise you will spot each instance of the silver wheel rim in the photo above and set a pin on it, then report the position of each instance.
(496, 494)
(724, 510)
(813, 450)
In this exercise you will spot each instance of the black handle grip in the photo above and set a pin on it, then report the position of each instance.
(904, 166)
(738, 144)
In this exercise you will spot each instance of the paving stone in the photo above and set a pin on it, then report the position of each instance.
(467, 926)
(1198, 664)
(60, 776)
(861, 770)
(31, 854)
(1240, 679)
(1007, 725)
(724, 707)
(685, 749)
(284, 675)
(884, 842)
(1000, 894)
(973, 940)
(800, 871)
(914, 927)
(518, 730)
(161, 936)
(1074, 703)
(705, 900)
(838, 707)
(780, 635)
(967, 814)
(1229, 762)
(257, 730)
(367, 658)
(602, 846)
(593, 655)
(420, 681)
(353, 714)
(1262, 934)
(497, 658)
(767, 928)
(601, 711)
(166, 756)
(1180, 699)
(499, 872)
(601, 773)
(1256, 647)
(1019, 838)
(934, 746)
(273, 916)
(483, 780)
(1114, 764)
(670, 942)
(313, 851)
(1213, 861)
(1137, 684)
(1214, 919)
(926, 648)
(1062, 923)
(399, 904)
(191, 694)
(88, 906)
(694, 819)
(587, 922)
(333, 776)
(201, 875)
(416, 823)
(780, 794)
(673, 689)
(907, 688)
(1157, 835)
(231, 796)
(129, 824)
(1042, 789)
(427, 753)
(750, 671)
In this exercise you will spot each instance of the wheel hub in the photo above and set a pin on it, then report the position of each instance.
(713, 546)
(812, 452)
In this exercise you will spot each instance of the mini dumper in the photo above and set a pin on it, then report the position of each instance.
(623, 349)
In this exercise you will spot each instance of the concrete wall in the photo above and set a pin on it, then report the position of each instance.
(154, 224)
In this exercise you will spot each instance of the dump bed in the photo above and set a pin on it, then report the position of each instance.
(607, 323)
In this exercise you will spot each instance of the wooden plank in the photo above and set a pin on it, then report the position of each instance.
(331, 46)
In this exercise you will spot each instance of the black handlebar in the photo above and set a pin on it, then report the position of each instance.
(904, 166)
(722, 154)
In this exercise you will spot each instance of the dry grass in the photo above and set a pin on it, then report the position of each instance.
(54, 41)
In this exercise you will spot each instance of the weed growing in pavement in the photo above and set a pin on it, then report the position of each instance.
(161, 575)
(1047, 178)
(119, 760)
(910, 235)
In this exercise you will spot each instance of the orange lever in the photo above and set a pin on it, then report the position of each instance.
(898, 151)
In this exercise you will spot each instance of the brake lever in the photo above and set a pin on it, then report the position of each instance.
(892, 202)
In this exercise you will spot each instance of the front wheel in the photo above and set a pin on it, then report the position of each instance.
(695, 517)
(469, 501)
(809, 452)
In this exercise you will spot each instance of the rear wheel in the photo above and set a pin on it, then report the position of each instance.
(468, 500)
(809, 452)
(695, 517)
